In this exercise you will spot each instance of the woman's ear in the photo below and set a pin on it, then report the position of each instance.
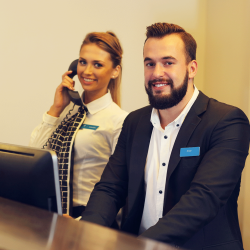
(116, 72)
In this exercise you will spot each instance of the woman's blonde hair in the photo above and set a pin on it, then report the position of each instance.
(109, 43)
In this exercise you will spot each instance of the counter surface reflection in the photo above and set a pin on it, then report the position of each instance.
(24, 227)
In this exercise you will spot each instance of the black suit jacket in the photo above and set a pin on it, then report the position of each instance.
(200, 203)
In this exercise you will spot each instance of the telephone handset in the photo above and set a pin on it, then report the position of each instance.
(74, 95)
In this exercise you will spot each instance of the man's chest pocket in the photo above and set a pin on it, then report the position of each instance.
(187, 168)
(189, 162)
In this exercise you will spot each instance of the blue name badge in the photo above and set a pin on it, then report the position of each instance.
(87, 126)
(187, 152)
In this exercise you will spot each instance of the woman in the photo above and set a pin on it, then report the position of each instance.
(85, 139)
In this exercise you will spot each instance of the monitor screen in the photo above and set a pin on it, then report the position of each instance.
(30, 175)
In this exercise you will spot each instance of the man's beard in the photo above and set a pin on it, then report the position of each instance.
(167, 101)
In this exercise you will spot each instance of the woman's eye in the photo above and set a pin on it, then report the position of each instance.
(82, 62)
(98, 65)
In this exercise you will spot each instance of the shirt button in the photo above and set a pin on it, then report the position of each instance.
(177, 125)
(160, 192)
(165, 137)
(163, 164)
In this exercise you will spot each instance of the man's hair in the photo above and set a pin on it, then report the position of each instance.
(160, 30)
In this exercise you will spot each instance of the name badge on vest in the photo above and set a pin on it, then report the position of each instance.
(87, 126)
(187, 152)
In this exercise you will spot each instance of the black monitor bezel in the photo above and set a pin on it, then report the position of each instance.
(35, 165)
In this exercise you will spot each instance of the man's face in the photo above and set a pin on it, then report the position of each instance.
(165, 70)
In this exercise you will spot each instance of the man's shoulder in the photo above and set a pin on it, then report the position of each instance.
(137, 115)
(142, 111)
(218, 108)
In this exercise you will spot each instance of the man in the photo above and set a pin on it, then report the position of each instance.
(178, 161)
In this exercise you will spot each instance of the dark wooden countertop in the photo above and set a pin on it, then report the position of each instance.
(24, 227)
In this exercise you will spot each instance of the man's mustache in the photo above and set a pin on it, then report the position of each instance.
(168, 81)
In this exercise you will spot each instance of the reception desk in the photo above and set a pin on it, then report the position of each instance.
(24, 227)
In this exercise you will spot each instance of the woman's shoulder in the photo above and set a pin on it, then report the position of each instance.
(116, 111)
(114, 115)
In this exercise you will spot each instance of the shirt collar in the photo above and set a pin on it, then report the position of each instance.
(99, 104)
(155, 119)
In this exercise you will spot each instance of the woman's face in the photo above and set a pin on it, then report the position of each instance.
(94, 70)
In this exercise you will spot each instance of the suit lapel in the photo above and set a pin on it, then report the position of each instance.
(181, 141)
(190, 123)
(187, 129)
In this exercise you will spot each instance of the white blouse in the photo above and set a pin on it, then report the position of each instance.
(95, 141)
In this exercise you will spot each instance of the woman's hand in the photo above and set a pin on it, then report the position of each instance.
(61, 99)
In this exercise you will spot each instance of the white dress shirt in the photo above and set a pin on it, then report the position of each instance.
(159, 152)
(95, 141)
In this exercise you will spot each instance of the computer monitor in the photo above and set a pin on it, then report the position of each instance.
(30, 175)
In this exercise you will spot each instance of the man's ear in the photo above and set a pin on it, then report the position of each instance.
(192, 69)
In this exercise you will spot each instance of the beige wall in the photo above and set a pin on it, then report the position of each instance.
(227, 73)
(39, 39)
(227, 52)
(244, 198)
